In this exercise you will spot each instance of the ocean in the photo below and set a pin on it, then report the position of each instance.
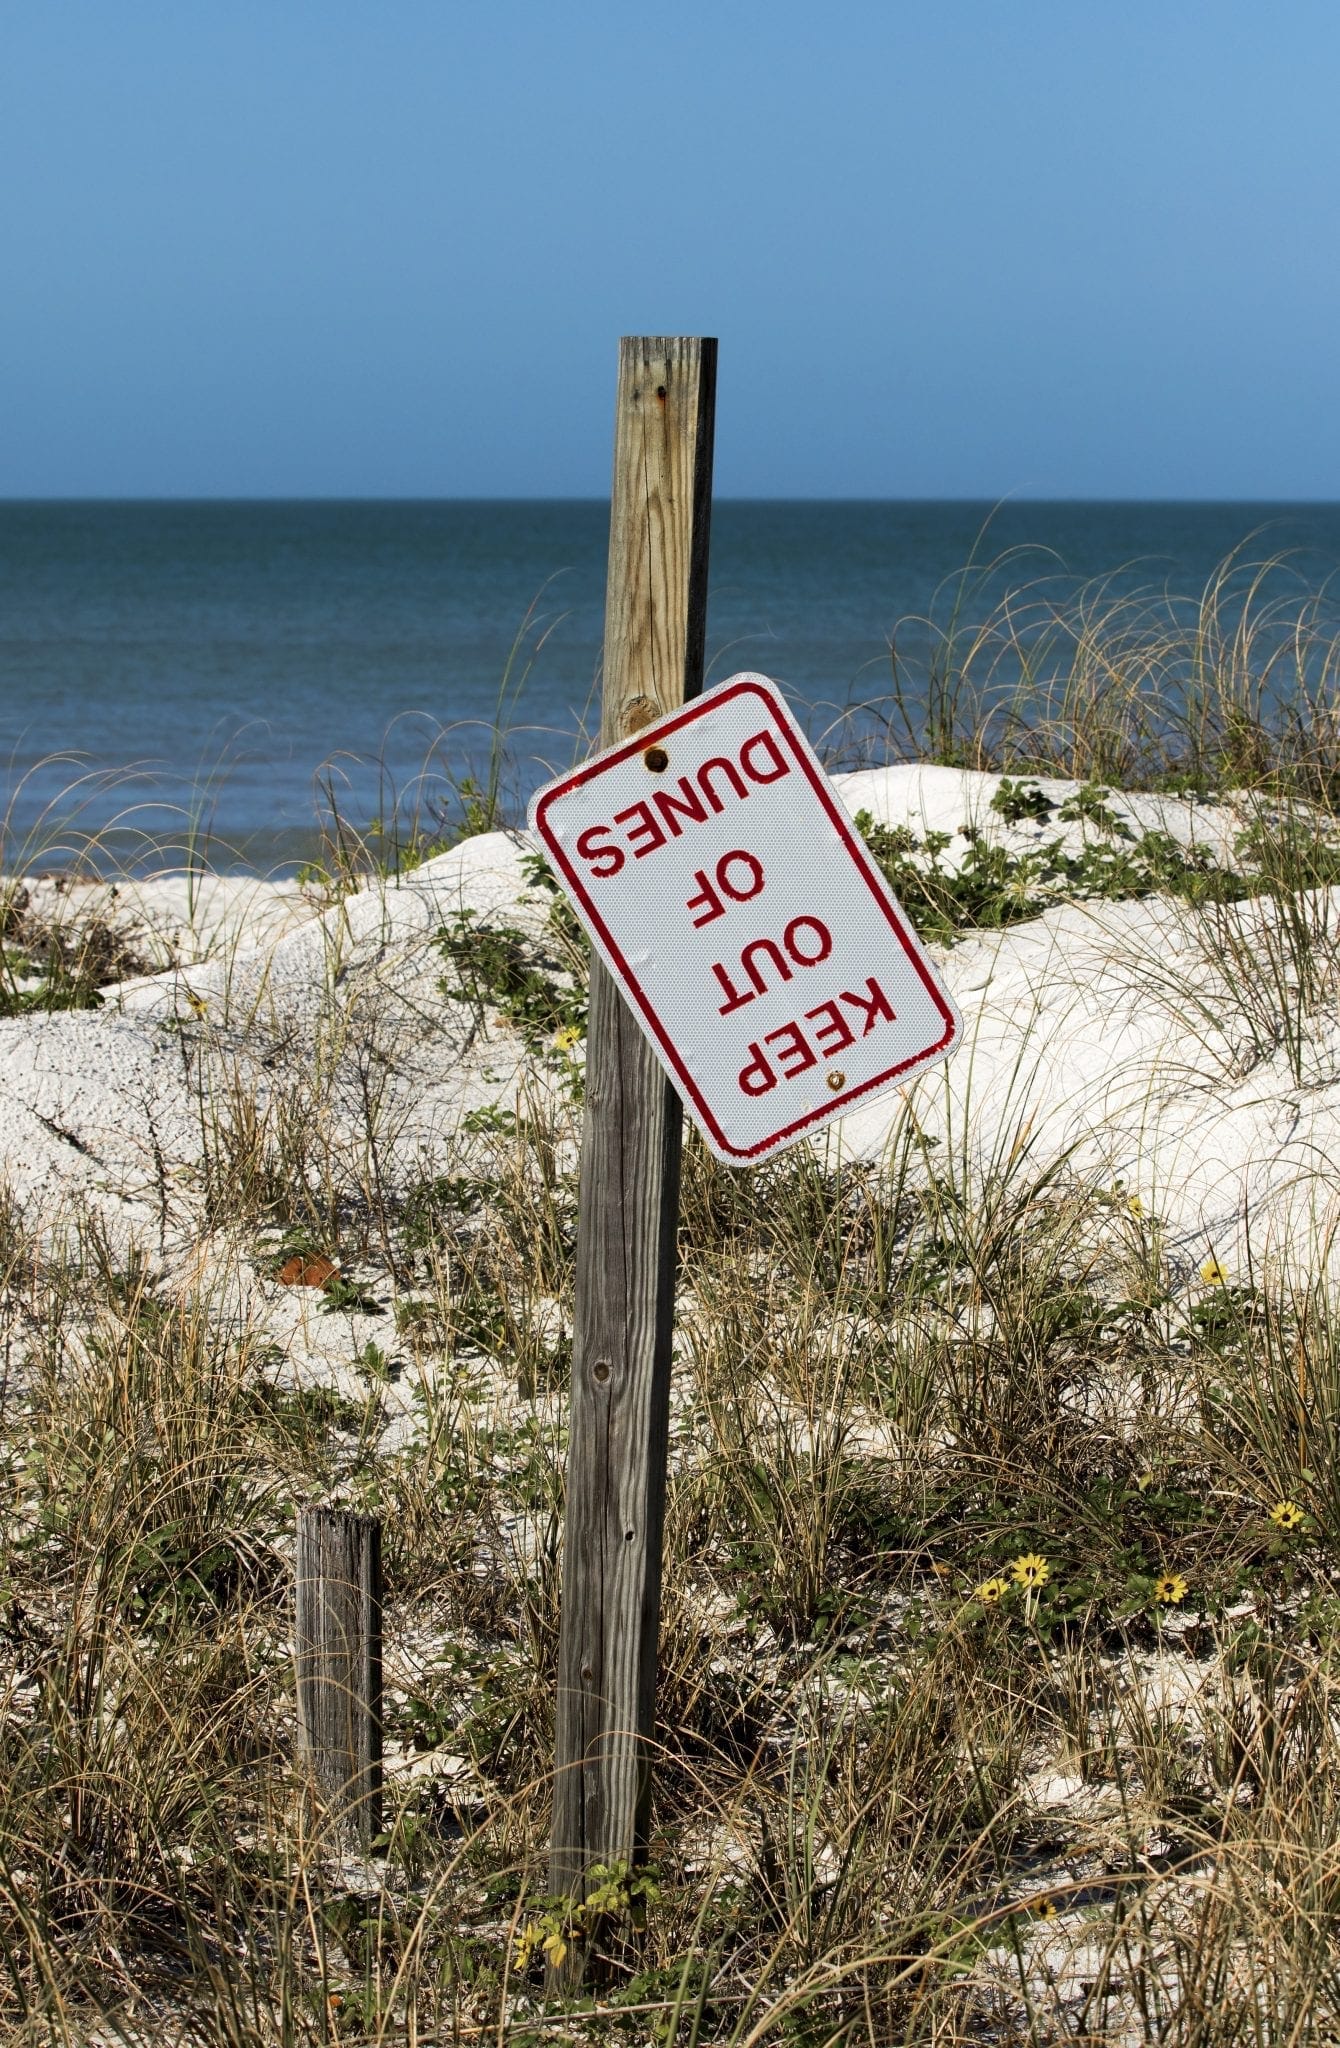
(214, 679)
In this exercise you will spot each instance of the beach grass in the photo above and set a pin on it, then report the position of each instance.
(1001, 1633)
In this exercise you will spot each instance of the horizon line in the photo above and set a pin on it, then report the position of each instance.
(1000, 503)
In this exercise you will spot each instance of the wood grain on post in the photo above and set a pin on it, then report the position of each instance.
(655, 618)
(338, 1632)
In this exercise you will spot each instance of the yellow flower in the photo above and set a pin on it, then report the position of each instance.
(1030, 1570)
(1171, 1589)
(564, 1040)
(1046, 1908)
(1286, 1514)
(992, 1591)
(1213, 1274)
(1135, 1205)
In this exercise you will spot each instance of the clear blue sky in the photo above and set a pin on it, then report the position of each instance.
(950, 247)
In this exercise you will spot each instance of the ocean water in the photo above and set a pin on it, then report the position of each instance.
(223, 675)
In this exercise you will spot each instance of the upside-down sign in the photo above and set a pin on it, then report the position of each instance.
(759, 946)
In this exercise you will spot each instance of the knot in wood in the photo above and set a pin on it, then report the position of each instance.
(637, 712)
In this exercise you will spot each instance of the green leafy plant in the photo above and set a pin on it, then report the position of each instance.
(343, 1296)
(1016, 801)
(51, 964)
(538, 987)
(992, 886)
(616, 1897)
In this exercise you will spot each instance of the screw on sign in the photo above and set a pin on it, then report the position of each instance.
(759, 946)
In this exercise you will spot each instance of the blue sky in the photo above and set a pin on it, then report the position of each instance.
(950, 247)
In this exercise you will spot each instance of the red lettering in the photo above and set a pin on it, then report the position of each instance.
(758, 1066)
(733, 1001)
(749, 963)
(603, 860)
(707, 897)
(709, 902)
(834, 1021)
(791, 940)
(650, 832)
(688, 805)
(731, 773)
(790, 1039)
(873, 1005)
(755, 871)
(780, 765)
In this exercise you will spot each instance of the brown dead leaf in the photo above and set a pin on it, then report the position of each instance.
(307, 1269)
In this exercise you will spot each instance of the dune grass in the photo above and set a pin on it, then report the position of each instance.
(957, 1516)
(1001, 1637)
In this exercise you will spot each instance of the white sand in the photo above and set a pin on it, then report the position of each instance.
(173, 917)
(1099, 1037)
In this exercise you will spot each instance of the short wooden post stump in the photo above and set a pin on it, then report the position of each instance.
(338, 1644)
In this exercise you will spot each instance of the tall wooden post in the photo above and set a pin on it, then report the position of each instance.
(655, 618)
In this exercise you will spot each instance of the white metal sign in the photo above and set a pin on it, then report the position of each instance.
(758, 944)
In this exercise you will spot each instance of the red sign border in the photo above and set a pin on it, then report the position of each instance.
(710, 700)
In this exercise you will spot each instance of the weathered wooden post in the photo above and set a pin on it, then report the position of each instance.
(655, 617)
(338, 1631)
